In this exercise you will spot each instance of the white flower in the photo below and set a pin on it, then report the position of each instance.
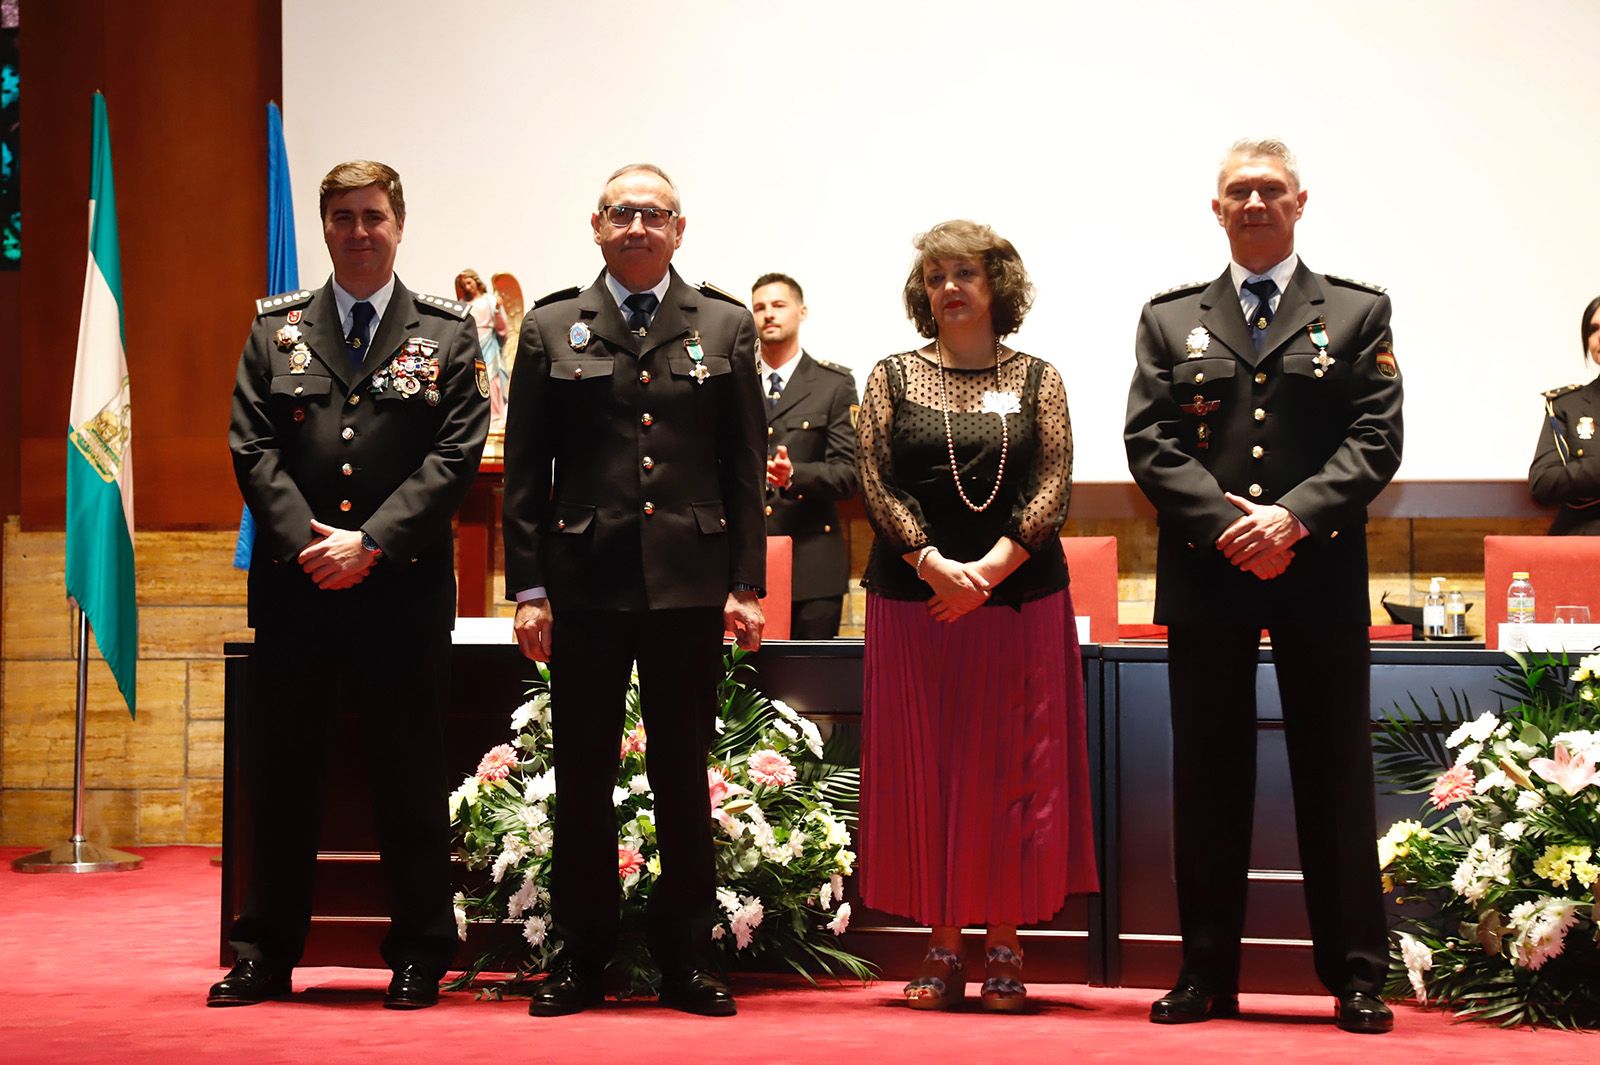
(1495, 778)
(466, 793)
(787, 731)
(717, 932)
(836, 833)
(535, 711)
(619, 795)
(1579, 743)
(838, 885)
(533, 815)
(541, 839)
(1513, 830)
(813, 735)
(639, 784)
(1529, 801)
(1469, 753)
(785, 710)
(720, 725)
(515, 850)
(525, 897)
(841, 920)
(1503, 731)
(797, 842)
(541, 787)
(534, 929)
(825, 894)
(1418, 959)
(728, 901)
(1541, 930)
(1001, 403)
(745, 921)
(461, 916)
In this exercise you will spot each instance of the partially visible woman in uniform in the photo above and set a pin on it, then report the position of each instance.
(1566, 468)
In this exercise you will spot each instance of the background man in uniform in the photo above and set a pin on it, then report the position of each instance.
(359, 417)
(811, 455)
(633, 533)
(1264, 416)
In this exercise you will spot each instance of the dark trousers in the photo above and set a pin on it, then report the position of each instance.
(679, 657)
(815, 619)
(397, 691)
(1324, 684)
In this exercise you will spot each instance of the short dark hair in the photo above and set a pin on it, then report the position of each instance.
(1010, 290)
(779, 279)
(1588, 324)
(361, 174)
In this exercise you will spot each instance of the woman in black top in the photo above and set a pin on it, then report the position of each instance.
(1566, 466)
(974, 766)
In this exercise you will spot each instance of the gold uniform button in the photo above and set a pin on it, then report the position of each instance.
(1260, 415)
(644, 377)
(348, 433)
(299, 391)
(561, 523)
(1261, 378)
(1580, 452)
(1334, 535)
(648, 463)
(769, 430)
(347, 469)
(577, 373)
(801, 495)
(722, 523)
(354, 399)
(344, 504)
(1199, 377)
(645, 420)
(827, 528)
(1255, 490)
(805, 425)
(769, 510)
(1257, 451)
(649, 508)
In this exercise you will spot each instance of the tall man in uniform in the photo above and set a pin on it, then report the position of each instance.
(811, 456)
(359, 416)
(633, 534)
(1263, 418)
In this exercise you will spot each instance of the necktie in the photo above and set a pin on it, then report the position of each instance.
(361, 316)
(774, 388)
(1261, 317)
(641, 305)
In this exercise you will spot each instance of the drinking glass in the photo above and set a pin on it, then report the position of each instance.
(1572, 615)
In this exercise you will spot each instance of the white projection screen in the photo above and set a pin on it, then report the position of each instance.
(1450, 149)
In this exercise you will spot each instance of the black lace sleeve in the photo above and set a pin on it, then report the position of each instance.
(895, 516)
(1041, 507)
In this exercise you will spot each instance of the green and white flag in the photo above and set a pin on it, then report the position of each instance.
(99, 439)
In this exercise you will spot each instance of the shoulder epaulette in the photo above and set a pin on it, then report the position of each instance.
(557, 297)
(1350, 282)
(282, 301)
(1557, 393)
(454, 308)
(708, 289)
(1179, 290)
(834, 366)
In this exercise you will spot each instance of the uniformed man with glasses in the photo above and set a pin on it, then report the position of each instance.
(634, 472)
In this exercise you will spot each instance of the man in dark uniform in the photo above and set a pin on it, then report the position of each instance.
(359, 417)
(811, 456)
(1264, 416)
(633, 534)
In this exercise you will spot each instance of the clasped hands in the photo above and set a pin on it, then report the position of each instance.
(959, 588)
(780, 468)
(741, 615)
(1262, 541)
(335, 559)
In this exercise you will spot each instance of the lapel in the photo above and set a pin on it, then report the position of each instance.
(1220, 314)
(793, 392)
(596, 307)
(1297, 309)
(325, 335)
(399, 318)
(678, 313)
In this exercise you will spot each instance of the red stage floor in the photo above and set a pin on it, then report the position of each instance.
(114, 968)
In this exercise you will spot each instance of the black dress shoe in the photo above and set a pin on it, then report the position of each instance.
(251, 980)
(1360, 1012)
(697, 991)
(411, 989)
(568, 989)
(1189, 1002)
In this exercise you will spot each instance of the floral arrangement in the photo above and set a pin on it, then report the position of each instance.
(1498, 875)
(782, 802)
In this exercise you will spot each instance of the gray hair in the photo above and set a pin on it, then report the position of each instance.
(646, 168)
(1261, 148)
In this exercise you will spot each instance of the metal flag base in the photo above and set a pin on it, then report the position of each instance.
(77, 856)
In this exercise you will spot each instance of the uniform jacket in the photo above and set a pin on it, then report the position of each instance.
(313, 436)
(1208, 414)
(813, 418)
(1566, 467)
(630, 484)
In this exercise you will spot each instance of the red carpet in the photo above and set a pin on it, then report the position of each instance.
(114, 968)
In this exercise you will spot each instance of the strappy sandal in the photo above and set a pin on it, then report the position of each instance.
(1003, 990)
(930, 992)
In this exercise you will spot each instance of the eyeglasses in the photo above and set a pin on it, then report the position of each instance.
(621, 215)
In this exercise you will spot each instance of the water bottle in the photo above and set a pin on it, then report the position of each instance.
(1433, 610)
(1519, 600)
(1455, 614)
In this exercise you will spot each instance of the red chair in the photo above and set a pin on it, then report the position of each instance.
(1565, 570)
(1092, 564)
(780, 587)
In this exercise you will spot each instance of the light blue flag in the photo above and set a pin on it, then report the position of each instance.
(283, 270)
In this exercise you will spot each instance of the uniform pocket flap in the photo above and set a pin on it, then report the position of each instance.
(711, 517)
(571, 518)
(1196, 372)
(301, 384)
(579, 369)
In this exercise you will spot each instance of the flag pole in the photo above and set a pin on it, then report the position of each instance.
(78, 855)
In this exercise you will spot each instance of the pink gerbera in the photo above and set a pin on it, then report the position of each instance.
(498, 763)
(771, 769)
(1453, 785)
(629, 861)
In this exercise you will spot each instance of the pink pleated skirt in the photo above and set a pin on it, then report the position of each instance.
(974, 764)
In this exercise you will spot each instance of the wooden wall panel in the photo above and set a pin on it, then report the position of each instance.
(186, 83)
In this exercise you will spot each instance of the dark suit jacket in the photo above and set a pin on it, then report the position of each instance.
(400, 475)
(1266, 427)
(1569, 476)
(630, 485)
(813, 418)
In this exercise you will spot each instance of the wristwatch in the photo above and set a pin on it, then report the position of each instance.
(369, 544)
(740, 586)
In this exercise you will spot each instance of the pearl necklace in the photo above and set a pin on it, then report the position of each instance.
(950, 439)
